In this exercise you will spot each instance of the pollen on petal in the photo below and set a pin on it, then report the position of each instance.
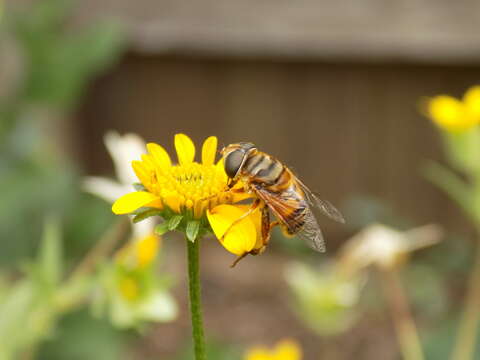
(185, 149)
(130, 202)
(209, 150)
(241, 238)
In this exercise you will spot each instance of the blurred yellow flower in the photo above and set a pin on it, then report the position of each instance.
(132, 262)
(456, 115)
(191, 192)
(284, 350)
(129, 288)
(132, 288)
(139, 253)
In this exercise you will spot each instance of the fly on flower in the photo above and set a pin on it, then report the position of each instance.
(276, 189)
(198, 197)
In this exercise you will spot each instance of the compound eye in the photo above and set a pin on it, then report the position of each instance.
(232, 162)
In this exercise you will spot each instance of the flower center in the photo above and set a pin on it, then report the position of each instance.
(193, 186)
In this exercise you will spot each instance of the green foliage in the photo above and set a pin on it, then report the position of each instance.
(32, 300)
(54, 63)
(192, 230)
(60, 61)
(174, 221)
(438, 342)
(162, 228)
(323, 299)
(79, 336)
(50, 257)
(145, 215)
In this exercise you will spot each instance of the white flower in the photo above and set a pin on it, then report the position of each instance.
(385, 247)
(123, 150)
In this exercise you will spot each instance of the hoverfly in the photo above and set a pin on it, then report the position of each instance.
(277, 189)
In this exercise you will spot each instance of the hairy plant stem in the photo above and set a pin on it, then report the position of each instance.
(404, 323)
(195, 300)
(464, 348)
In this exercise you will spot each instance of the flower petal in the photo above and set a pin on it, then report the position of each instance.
(472, 101)
(209, 150)
(147, 249)
(256, 217)
(104, 188)
(148, 161)
(242, 237)
(160, 156)
(185, 149)
(159, 306)
(124, 149)
(174, 201)
(445, 108)
(288, 349)
(143, 174)
(449, 113)
(130, 202)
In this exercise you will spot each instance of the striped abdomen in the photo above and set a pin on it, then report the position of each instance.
(263, 169)
(279, 190)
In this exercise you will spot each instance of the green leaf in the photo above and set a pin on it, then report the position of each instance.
(162, 228)
(15, 311)
(463, 150)
(451, 184)
(139, 187)
(145, 215)
(50, 256)
(174, 221)
(193, 227)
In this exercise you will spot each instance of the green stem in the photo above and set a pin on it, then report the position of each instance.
(404, 323)
(465, 344)
(195, 301)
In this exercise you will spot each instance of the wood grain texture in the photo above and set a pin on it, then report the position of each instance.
(345, 129)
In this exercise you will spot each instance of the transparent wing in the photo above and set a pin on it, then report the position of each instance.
(311, 233)
(323, 205)
(284, 209)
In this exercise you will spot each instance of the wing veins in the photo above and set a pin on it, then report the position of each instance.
(308, 231)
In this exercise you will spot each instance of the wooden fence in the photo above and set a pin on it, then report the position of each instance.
(347, 128)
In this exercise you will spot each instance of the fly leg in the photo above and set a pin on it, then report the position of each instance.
(267, 227)
(250, 211)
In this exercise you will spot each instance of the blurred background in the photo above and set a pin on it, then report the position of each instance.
(331, 88)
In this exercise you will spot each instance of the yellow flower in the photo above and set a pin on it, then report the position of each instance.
(284, 350)
(129, 287)
(132, 259)
(139, 253)
(456, 115)
(191, 196)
